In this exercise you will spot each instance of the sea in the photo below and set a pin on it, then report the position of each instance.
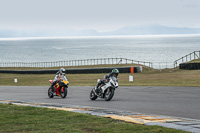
(148, 48)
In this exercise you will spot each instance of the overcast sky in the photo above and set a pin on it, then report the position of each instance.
(101, 15)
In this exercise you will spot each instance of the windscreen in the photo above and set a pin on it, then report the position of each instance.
(114, 78)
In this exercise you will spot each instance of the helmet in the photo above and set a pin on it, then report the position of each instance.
(115, 72)
(62, 70)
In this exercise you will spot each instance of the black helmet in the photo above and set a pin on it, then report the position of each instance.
(62, 71)
(115, 72)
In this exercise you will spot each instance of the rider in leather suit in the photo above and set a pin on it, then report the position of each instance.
(59, 74)
(114, 72)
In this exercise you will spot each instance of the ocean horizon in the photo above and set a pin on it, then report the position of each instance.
(105, 36)
(147, 48)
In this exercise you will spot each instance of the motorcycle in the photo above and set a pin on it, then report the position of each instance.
(106, 90)
(60, 88)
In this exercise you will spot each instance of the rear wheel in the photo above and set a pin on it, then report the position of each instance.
(109, 93)
(93, 96)
(64, 92)
(50, 93)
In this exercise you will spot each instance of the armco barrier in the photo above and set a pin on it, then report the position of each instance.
(190, 66)
(77, 71)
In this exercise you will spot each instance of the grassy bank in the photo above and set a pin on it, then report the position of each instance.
(168, 77)
(31, 119)
(149, 77)
(195, 61)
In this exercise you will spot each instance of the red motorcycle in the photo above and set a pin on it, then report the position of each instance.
(60, 88)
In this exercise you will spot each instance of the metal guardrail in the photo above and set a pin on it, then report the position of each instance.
(84, 62)
(190, 66)
(136, 69)
(191, 56)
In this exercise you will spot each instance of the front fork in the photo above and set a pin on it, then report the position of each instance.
(57, 87)
(95, 91)
(62, 89)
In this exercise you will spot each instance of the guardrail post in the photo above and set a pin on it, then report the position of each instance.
(199, 54)
(186, 58)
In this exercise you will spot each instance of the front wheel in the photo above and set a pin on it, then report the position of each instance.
(63, 92)
(109, 93)
(93, 96)
(50, 93)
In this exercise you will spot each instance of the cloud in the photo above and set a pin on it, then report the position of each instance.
(191, 6)
(190, 3)
(100, 15)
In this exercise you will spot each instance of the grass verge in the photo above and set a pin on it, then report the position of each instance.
(194, 61)
(167, 77)
(31, 119)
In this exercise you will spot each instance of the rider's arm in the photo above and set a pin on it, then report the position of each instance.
(107, 76)
(65, 77)
(56, 77)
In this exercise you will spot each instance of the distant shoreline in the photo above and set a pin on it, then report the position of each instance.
(114, 36)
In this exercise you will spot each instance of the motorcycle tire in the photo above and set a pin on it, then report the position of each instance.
(50, 93)
(64, 93)
(93, 96)
(108, 95)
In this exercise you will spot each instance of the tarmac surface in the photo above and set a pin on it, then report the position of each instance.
(178, 106)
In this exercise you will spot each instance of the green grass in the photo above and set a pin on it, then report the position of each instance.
(194, 61)
(149, 77)
(18, 119)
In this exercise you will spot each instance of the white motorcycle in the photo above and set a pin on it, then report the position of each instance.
(106, 90)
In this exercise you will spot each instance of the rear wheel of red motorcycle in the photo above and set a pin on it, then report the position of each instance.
(64, 93)
(50, 93)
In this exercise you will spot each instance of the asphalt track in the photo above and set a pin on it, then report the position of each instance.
(171, 101)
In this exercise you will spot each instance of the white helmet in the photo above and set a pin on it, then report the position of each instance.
(62, 70)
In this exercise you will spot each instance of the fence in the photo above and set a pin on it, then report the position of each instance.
(189, 57)
(76, 63)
